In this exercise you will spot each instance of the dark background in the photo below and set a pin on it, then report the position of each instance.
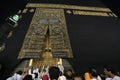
(95, 40)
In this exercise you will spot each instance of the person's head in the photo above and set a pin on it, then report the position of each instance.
(108, 70)
(54, 72)
(19, 72)
(93, 74)
(28, 77)
(69, 72)
(36, 75)
(45, 77)
(93, 68)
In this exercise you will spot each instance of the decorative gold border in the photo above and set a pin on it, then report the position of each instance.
(76, 10)
(89, 13)
(67, 7)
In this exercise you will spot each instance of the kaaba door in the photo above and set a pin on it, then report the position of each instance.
(47, 38)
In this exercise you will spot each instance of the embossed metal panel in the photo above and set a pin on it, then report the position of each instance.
(48, 23)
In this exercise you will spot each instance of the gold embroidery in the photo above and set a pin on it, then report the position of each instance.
(68, 11)
(75, 12)
(32, 10)
(67, 7)
(25, 11)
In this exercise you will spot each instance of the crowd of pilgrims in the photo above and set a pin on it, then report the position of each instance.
(58, 73)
